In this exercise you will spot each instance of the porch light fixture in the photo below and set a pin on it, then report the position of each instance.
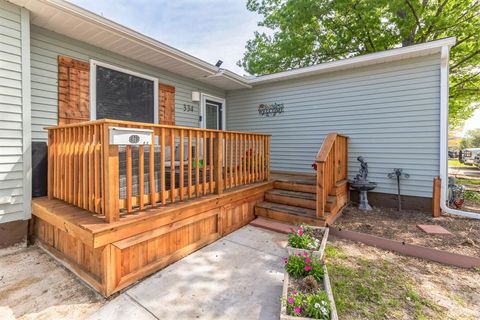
(195, 96)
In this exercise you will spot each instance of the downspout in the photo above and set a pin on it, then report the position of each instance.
(444, 138)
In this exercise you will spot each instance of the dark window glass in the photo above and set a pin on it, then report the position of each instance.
(122, 96)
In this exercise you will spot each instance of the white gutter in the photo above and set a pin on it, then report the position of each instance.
(444, 137)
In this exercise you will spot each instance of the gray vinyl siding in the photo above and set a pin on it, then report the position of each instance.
(46, 46)
(11, 147)
(390, 111)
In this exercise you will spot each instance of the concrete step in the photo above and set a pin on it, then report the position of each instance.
(272, 225)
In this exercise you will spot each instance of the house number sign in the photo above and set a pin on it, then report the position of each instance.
(270, 109)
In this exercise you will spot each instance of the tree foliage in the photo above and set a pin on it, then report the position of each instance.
(471, 139)
(306, 32)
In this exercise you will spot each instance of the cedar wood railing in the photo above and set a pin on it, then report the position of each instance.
(331, 168)
(88, 172)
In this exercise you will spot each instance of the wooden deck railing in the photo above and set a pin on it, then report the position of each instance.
(182, 163)
(331, 168)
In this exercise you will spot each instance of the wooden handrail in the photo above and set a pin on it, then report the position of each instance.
(182, 163)
(332, 160)
(141, 125)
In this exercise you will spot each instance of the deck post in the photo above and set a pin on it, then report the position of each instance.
(111, 178)
(51, 173)
(218, 158)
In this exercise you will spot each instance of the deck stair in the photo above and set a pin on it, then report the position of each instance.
(293, 200)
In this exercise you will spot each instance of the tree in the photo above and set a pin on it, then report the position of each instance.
(307, 32)
(471, 139)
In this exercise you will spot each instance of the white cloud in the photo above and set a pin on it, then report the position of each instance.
(207, 29)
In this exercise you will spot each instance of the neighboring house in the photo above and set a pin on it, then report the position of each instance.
(62, 64)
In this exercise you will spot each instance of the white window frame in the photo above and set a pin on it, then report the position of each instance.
(93, 86)
(203, 101)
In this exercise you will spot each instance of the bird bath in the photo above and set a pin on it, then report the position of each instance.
(362, 185)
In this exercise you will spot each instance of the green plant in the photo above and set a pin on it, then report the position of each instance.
(472, 196)
(299, 266)
(312, 305)
(302, 239)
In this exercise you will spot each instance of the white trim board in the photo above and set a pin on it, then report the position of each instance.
(26, 114)
(93, 86)
(359, 61)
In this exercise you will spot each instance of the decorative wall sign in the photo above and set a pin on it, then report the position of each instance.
(270, 109)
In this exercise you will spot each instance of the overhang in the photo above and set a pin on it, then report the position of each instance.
(75, 22)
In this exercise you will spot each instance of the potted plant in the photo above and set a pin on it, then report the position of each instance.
(308, 239)
(306, 290)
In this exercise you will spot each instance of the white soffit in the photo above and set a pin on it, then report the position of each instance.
(72, 21)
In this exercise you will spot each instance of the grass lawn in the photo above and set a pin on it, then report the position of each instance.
(456, 163)
(462, 181)
(367, 285)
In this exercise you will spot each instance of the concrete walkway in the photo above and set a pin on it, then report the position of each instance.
(237, 277)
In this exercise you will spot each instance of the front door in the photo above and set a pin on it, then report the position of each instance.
(213, 115)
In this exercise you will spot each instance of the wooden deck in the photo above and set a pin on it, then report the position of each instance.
(111, 256)
(115, 215)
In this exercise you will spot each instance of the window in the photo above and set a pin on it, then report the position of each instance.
(120, 94)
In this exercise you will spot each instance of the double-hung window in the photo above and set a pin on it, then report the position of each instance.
(120, 94)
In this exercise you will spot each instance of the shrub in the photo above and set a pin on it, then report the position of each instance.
(299, 266)
(302, 239)
(312, 305)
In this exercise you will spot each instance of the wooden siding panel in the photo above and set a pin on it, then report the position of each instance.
(390, 111)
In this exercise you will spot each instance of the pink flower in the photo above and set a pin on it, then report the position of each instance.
(307, 261)
(297, 310)
(307, 268)
(300, 232)
(294, 292)
(285, 260)
(305, 254)
(299, 254)
(290, 300)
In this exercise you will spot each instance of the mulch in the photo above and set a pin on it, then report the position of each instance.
(402, 226)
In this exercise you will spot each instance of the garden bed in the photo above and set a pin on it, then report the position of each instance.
(290, 285)
(307, 293)
(319, 235)
(402, 226)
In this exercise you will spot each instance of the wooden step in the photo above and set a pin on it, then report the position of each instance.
(292, 198)
(290, 214)
(295, 185)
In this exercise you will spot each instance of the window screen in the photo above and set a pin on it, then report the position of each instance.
(122, 96)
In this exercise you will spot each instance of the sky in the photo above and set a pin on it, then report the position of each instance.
(207, 29)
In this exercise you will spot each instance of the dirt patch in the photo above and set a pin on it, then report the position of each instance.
(34, 286)
(370, 283)
(402, 226)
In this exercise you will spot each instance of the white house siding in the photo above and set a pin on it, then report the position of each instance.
(390, 111)
(12, 115)
(46, 46)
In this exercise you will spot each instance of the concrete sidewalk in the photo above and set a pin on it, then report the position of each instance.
(237, 277)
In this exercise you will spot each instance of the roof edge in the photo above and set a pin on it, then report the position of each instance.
(358, 61)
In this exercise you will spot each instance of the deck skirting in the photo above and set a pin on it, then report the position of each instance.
(110, 257)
